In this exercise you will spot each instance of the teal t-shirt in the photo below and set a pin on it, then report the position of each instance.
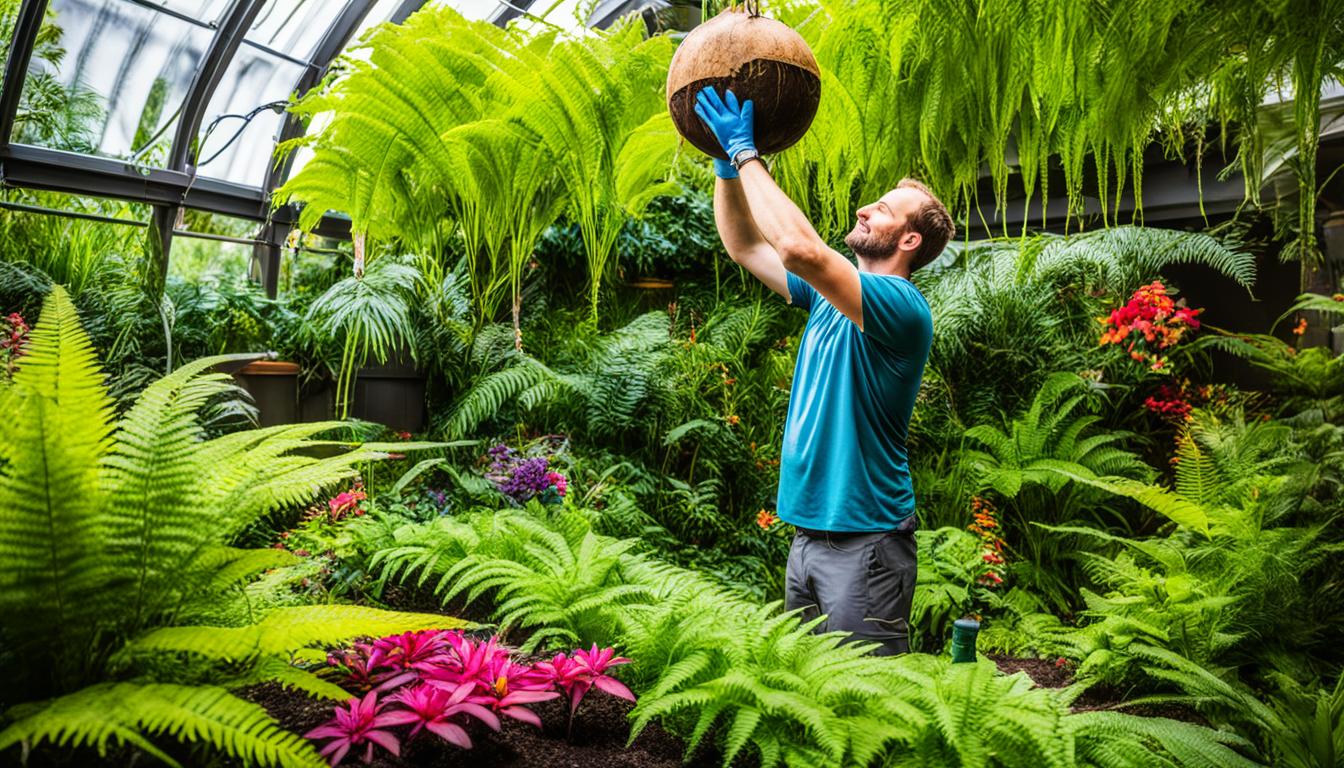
(843, 466)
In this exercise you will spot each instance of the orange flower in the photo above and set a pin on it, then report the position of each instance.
(733, 419)
(1301, 327)
(765, 518)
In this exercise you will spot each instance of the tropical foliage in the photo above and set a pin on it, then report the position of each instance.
(941, 89)
(114, 527)
(1103, 481)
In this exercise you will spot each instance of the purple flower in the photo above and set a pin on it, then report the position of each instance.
(522, 478)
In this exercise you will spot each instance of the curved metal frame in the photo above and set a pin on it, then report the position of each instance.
(176, 186)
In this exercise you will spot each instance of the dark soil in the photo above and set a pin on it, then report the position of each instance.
(1048, 674)
(601, 728)
(597, 740)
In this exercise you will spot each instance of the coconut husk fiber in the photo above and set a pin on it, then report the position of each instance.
(758, 59)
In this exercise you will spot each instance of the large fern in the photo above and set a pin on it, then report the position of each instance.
(112, 529)
(613, 384)
(707, 661)
(1049, 436)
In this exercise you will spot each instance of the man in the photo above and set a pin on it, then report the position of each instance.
(844, 478)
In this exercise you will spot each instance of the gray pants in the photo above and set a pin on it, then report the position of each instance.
(863, 582)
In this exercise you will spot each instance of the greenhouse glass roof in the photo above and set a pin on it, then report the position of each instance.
(177, 102)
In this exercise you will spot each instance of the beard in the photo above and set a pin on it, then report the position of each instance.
(871, 247)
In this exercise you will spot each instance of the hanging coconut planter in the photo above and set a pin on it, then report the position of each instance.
(756, 58)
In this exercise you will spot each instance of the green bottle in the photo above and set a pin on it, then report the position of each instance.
(963, 639)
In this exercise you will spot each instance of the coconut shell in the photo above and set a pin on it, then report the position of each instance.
(758, 59)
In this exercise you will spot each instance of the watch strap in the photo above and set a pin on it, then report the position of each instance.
(744, 156)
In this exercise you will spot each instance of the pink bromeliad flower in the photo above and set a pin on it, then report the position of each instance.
(587, 669)
(411, 652)
(359, 724)
(509, 686)
(434, 708)
(356, 664)
(476, 657)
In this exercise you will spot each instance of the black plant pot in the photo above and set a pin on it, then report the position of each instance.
(317, 398)
(391, 394)
(274, 386)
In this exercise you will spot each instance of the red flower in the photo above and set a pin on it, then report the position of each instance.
(346, 501)
(1151, 320)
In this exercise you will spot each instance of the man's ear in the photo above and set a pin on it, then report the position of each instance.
(910, 240)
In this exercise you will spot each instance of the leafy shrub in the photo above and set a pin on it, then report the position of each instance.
(115, 529)
(1047, 290)
(1029, 463)
(704, 658)
(1227, 577)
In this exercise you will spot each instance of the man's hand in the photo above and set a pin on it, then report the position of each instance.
(731, 124)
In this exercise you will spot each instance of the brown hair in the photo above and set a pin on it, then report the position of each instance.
(931, 221)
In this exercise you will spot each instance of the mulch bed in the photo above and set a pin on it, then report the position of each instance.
(601, 728)
(1047, 674)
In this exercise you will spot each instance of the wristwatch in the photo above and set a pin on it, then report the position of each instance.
(745, 156)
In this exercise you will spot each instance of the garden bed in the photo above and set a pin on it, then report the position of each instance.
(601, 728)
(1047, 674)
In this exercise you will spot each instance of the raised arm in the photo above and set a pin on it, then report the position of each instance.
(778, 221)
(741, 239)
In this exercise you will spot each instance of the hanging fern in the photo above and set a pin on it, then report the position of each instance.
(949, 91)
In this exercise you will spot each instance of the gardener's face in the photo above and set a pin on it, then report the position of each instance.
(880, 230)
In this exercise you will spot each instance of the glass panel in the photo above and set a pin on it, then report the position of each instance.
(195, 260)
(241, 132)
(209, 11)
(294, 26)
(476, 9)
(381, 12)
(116, 88)
(567, 14)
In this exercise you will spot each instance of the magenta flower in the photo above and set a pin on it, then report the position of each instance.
(357, 724)
(515, 685)
(355, 663)
(411, 650)
(577, 675)
(346, 501)
(434, 707)
(476, 658)
(558, 480)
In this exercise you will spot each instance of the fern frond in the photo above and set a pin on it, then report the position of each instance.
(286, 630)
(117, 713)
(52, 532)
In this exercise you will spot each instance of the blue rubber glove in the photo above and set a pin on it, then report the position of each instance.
(731, 124)
(724, 169)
